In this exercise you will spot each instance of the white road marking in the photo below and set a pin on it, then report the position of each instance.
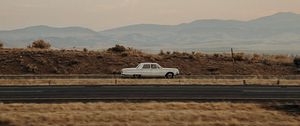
(271, 91)
(20, 91)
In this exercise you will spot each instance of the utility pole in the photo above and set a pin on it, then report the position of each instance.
(233, 61)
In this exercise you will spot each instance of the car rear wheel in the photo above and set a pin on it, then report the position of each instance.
(170, 75)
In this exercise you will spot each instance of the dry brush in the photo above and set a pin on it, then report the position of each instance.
(151, 113)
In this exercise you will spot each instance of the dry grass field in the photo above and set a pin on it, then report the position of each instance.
(112, 60)
(149, 113)
(28, 82)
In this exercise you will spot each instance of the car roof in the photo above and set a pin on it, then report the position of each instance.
(148, 63)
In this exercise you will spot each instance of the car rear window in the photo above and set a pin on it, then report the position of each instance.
(146, 66)
(154, 66)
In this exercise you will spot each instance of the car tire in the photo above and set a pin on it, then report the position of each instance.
(137, 76)
(170, 75)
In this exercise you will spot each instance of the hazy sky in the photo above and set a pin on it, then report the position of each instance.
(105, 14)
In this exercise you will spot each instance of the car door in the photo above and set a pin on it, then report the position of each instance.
(155, 70)
(146, 70)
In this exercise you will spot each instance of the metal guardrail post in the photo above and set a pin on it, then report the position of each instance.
(244, 82)
(115, 78)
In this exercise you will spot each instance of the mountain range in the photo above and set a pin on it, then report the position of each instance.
(280, 31)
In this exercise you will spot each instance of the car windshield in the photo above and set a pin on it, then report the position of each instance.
(138, 66)
(158, 66)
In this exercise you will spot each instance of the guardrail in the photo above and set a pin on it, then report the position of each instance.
(99, 76)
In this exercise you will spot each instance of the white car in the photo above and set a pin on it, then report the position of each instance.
(149, 70)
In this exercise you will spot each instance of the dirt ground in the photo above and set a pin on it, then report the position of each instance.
(52, 82)
(39, 61)
(148, 113)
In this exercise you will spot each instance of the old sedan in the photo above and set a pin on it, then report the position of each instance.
(149, 70)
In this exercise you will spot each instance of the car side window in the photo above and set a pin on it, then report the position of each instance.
(154, 66)
(146, 66)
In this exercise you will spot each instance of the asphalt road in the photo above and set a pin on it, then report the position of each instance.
(189, 92)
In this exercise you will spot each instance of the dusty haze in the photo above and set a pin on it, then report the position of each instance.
(106, 14)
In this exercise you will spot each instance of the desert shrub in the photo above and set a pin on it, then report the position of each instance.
(216, 55)
(256, 58)
(29, 46)
(188, 55)
(85, 50)
(32, 68)
(199, 54)
(297, 61)
(161, 52)
(281, 59)
(192, 57)
(168, 52)
(1, 44)
(185, 54)
(40, 44)
(267, 62)
(176, 54)
(239, 57)
(117, 48)
(124, 54)
(114, 71)
(100, 56)
(134, 52)
(73, 62)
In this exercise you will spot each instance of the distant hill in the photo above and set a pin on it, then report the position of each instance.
(59, 37)
(280, 31)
